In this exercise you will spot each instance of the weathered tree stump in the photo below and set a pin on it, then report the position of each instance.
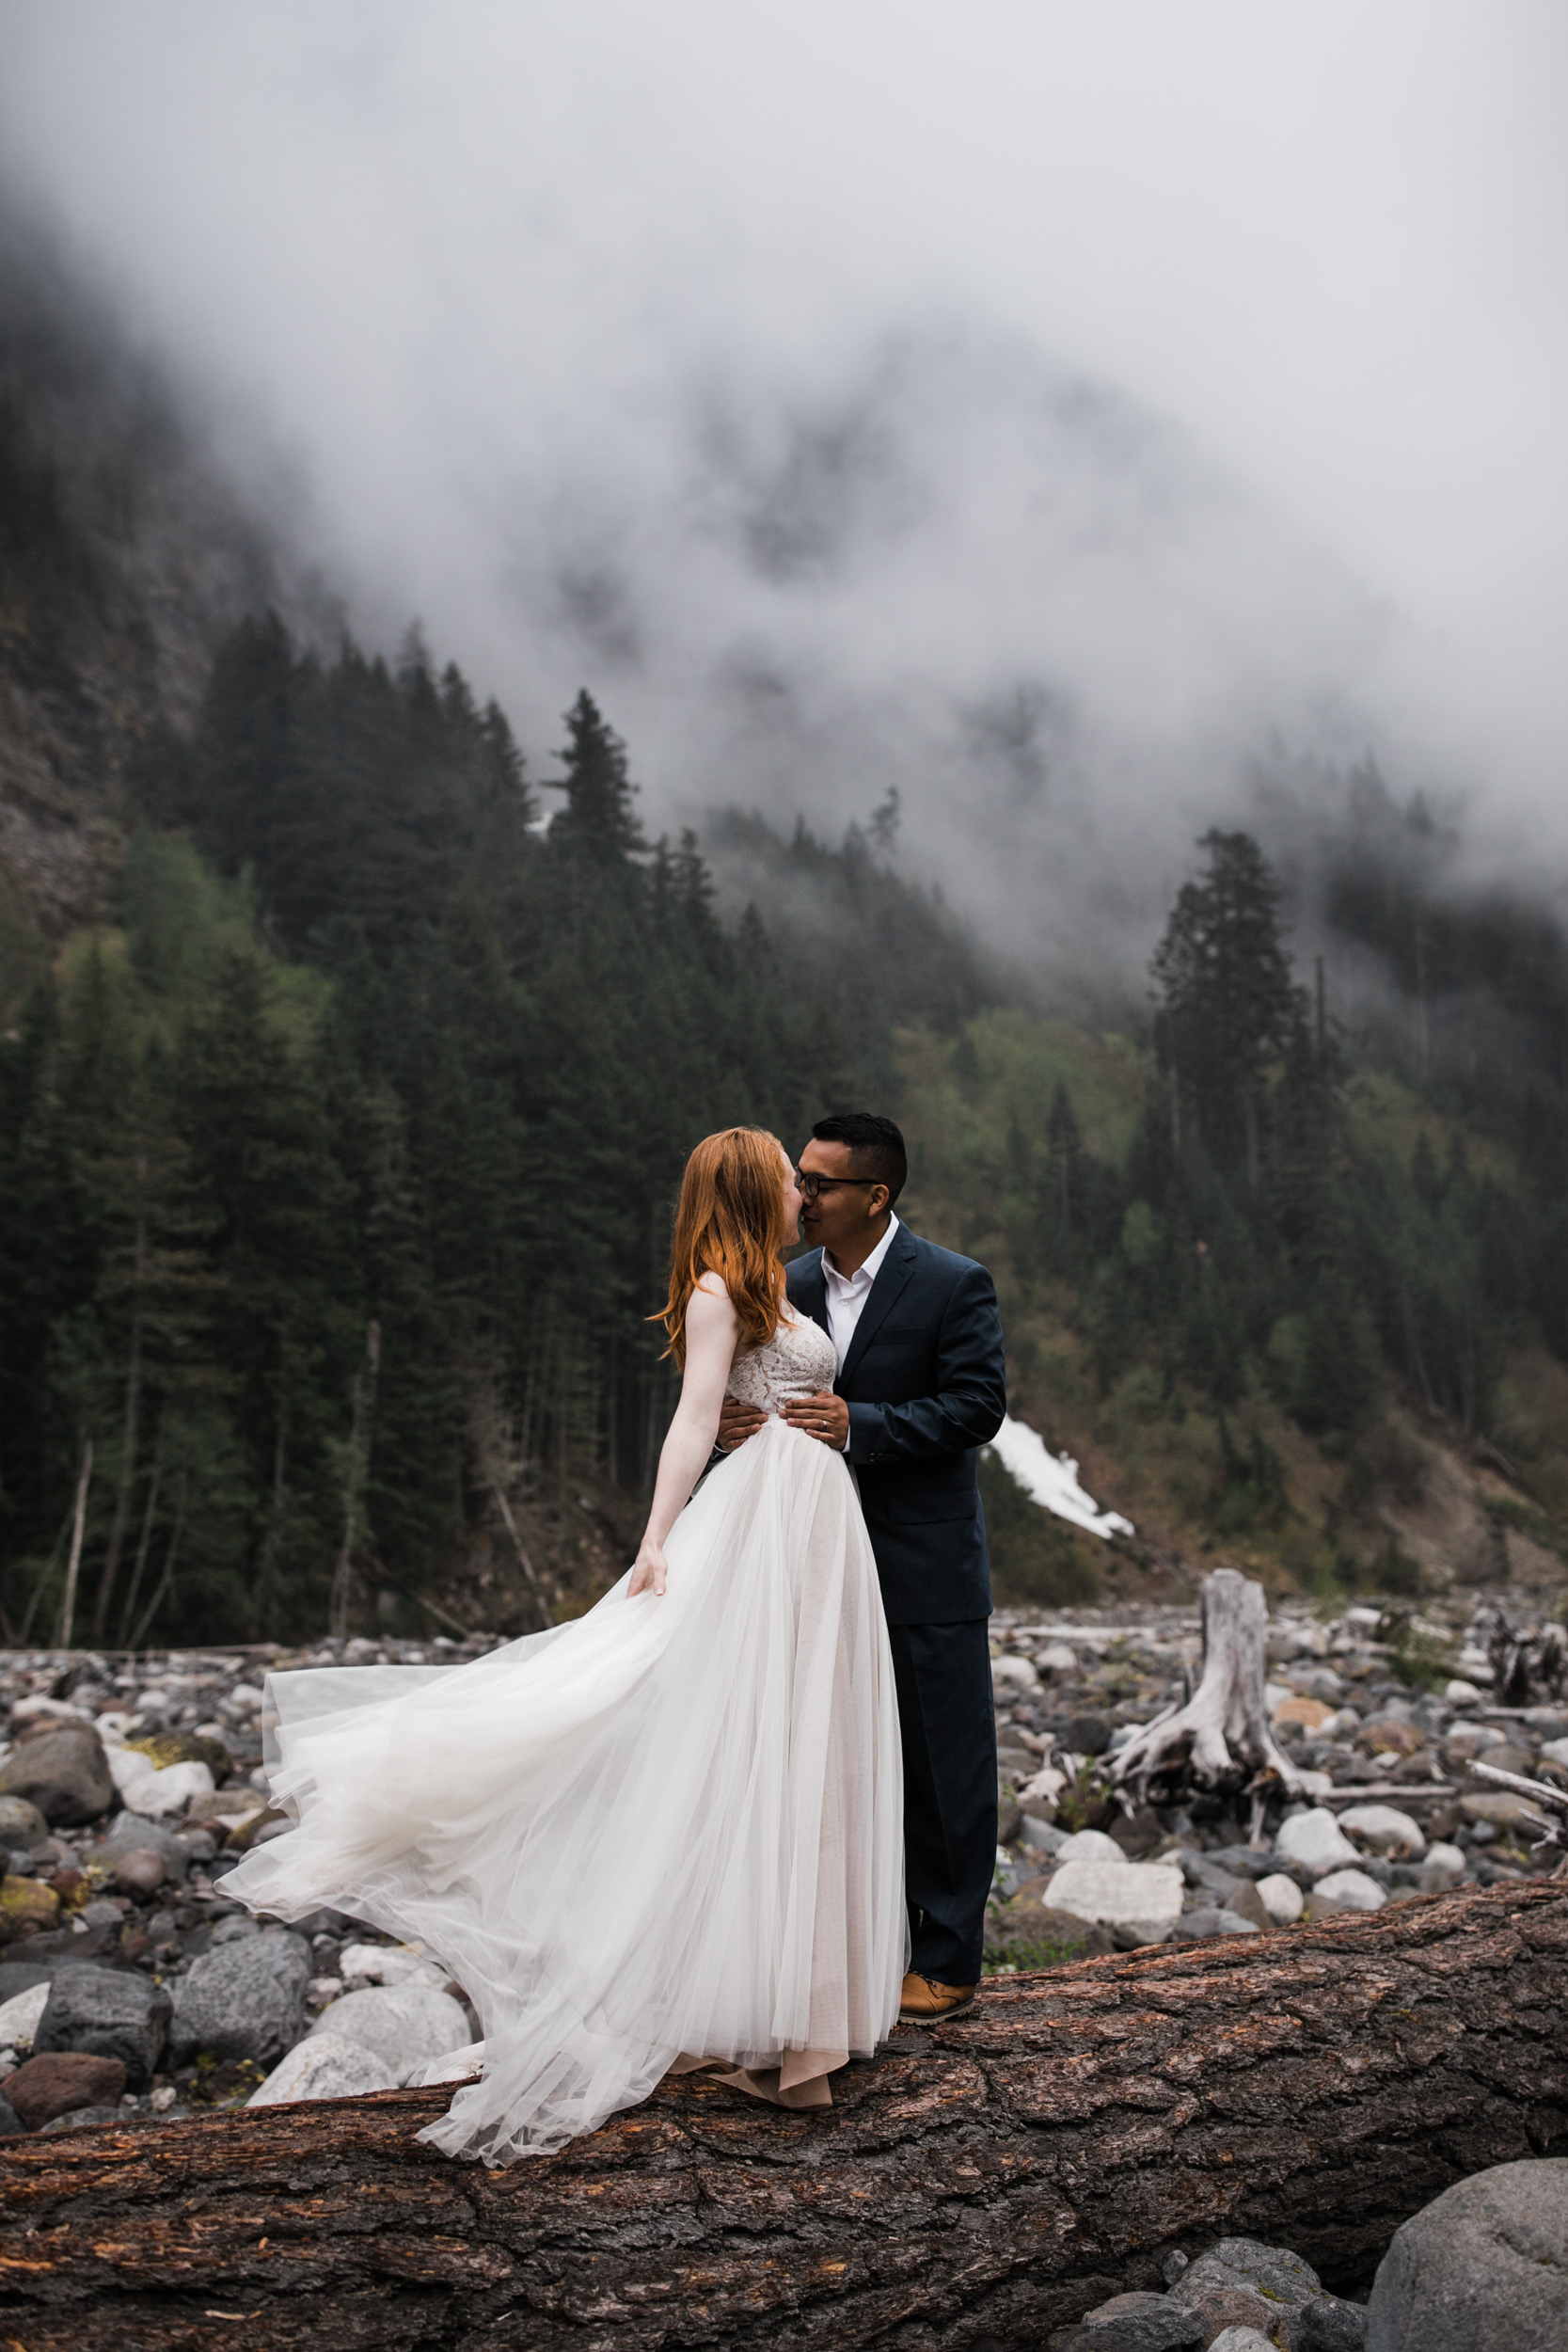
(975, 2186)
(1222, 1736)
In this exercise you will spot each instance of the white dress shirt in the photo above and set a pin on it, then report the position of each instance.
(848, 1293)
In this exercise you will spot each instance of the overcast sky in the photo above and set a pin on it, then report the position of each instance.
(963, 396)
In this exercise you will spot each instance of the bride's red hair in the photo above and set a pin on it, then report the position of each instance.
(730, 1222)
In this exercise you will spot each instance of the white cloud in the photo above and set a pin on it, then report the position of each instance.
(563, 305)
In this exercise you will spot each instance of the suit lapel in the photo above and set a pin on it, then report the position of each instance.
(808, 1288)
(895, 1270)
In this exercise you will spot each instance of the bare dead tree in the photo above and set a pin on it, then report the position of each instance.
(1221, 1738)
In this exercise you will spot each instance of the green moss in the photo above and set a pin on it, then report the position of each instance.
(26, 1905)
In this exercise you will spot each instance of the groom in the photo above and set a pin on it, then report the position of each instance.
(921, 1386)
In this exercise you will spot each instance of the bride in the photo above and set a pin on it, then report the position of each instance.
(667, 1834)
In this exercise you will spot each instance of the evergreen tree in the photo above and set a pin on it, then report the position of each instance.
(1228, 1001)
(597, 828)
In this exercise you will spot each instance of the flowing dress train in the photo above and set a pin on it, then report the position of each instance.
(664, 1834)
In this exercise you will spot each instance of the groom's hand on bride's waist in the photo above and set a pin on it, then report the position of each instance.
(736, 1422)
(824, 1416)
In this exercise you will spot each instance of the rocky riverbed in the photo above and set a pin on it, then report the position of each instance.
(1383, 1711)
(129, 1987)
(128, 1789)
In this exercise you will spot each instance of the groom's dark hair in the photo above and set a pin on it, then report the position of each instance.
(875, 1143)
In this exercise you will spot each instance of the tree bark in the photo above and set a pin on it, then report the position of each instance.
(972, 2187)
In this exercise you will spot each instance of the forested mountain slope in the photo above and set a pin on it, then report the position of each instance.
(348, 1064)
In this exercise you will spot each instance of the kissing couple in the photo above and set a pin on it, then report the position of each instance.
(742, 1815)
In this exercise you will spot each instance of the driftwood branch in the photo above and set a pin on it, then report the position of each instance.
(974, 2186)
(1539, 1792)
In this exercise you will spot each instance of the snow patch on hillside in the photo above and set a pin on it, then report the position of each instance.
(1052, 1479)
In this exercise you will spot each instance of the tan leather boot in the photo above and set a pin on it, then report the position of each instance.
(923, 2002)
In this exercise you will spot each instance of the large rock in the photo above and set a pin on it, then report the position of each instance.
(1014, 1673)
(163, 1749)
(1089, 1845)
(1131, 2323)
(107, 2012)
(28, 1907)
(1330, 2325)
(20, 1825)
(1345, 1890)
(159, 1794)
(63, 1771)
(1315, 1840)
(243, 2000)
(1141, 1900)
(140, 1873)
(51, 2085)
(10, 2122)
(1281, 1898)
(19, 2016)
(327, 2066)
(1385, 1830)
(403, 2025)
(1242, 2282)
(130, 1833)
(1483, 2266)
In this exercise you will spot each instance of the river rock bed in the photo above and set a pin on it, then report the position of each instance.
(1388, 1706)
(130, 1988)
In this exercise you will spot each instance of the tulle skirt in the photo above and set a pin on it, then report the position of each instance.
(666, 1834)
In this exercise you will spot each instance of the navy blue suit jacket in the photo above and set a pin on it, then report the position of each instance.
(926, 1387)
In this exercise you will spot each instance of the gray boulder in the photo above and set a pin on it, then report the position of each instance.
(242, 2000)
(404, 2025)
(10, 2120)
(132, 1832)
(21, 1824)
(326, 2066)
(1329, 2325)
(1242, 2282)
(106, 2013)
(63, 1771)
(1131, 2323)
(1485, 2264)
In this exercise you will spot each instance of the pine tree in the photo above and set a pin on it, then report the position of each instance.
(597, 827)
(1228, 1000)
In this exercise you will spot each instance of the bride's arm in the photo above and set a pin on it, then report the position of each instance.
(711, 1329)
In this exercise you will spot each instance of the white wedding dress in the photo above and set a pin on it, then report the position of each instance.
(665, 1835)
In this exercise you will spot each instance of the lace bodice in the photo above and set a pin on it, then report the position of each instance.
(798, 1360)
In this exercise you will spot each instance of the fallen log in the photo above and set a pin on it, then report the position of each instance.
(975, 2186)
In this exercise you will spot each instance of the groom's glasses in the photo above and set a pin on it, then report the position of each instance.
(809, 1186)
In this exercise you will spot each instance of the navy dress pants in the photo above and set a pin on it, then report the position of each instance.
(943, 1676)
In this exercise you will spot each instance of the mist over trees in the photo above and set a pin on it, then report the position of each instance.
(348, 1068)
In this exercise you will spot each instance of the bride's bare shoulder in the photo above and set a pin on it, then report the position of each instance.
(710, 1303)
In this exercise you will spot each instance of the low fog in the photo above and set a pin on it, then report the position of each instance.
(1071, 418)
